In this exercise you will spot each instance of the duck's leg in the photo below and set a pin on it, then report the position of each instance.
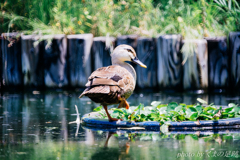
(127, 147)
(109, 117)
(123, 103)
(109, 135)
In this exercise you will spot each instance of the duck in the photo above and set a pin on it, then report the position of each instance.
(114, 84)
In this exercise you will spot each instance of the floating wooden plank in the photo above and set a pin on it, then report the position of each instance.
(146, 51)
(32, 62)
(79, 62)
(234, 55)
(218, 69)
(101, 53)
(55, 61)
(169, 61)
(11, 60)
(195, 70)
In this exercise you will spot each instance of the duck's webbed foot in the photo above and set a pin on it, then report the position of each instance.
(109, 117)
(123, 103)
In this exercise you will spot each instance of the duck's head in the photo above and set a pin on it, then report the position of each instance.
(123, 53)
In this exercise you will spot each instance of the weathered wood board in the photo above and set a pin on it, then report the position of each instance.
(218, 68)
(169, 59)
(11, 60)
(1, 63)
(195, 70)
(234, 57)
(100, 52)
(146, 51)
(32, 62)
(79, 61)
(55, 61)
(128, 39)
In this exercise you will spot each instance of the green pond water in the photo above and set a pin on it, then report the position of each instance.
(35, 125)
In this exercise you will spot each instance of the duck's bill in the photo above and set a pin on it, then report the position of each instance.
(137, 61)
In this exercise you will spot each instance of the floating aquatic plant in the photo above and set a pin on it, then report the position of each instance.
(172, 112)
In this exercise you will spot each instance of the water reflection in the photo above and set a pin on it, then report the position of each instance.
(36, 126)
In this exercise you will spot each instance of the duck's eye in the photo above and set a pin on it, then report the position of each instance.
(129, 50)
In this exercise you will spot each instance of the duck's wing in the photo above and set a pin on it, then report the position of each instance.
(109, 81)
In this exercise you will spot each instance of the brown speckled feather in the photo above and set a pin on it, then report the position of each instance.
(106, 83)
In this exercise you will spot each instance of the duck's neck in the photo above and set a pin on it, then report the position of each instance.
(126, 66)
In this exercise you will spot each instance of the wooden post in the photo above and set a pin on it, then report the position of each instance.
(169, 61)
(101, 53)
(128, 39)
(79, 61)
(11, 60)
(1, 63)
(32, 62)
(195, 70)
(234, 59)
(218, 69)
(55, 61)
(146, 51)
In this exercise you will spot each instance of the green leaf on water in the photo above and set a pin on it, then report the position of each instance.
(154, 115)
(209, 109)
(139, 108)
(174, 113)
(183, 104)
(194, 116)
(191, 109)
(163, 110)
(161, 105)
(118, 111)
(205, 116)
(199, 109)
(231, 105)
(191, 113)
(236, 110)
(201, 101)
(180, 118)
(178, 108)
(115, 114)
(99, 108)
(155, 104)
(171, 106)
(231, 115)
(228, 110)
